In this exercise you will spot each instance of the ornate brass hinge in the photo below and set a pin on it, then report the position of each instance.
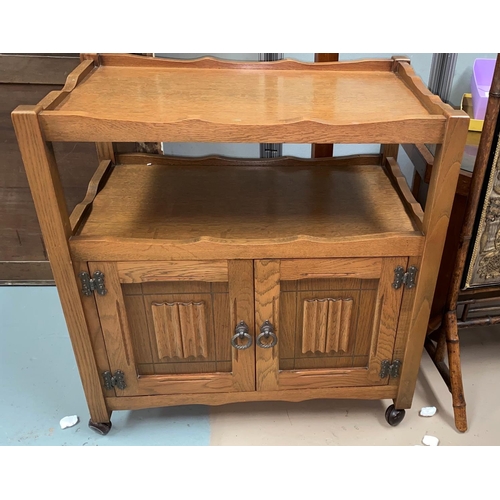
(116, 380)
(390, 369)
(94, 284)
(404, 278)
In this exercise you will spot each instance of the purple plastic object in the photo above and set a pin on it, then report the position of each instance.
(482, 75)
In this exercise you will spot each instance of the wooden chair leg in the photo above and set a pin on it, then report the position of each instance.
(457, 390)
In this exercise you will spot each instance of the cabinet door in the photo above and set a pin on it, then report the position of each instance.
(334, 321)
(168, 326)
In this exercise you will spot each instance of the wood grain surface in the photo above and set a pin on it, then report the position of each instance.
(247, 204)
(243, 102)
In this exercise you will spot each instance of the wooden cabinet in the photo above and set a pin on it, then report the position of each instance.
(218, 280)
(336, 321)
(194, 327)
(168, 325)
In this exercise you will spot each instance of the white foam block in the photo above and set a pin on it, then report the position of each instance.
(69, 421)
(428, 411)
(430, 440)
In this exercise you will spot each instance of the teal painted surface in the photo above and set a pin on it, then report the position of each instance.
(39, 384)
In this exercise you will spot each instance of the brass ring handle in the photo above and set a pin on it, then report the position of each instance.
(241, 333)
(266, 332)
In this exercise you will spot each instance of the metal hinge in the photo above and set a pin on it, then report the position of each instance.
(390, 369)
(96, 283)
(116, 380)
(402, 278)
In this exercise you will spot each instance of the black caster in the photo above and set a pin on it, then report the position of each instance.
(100, 427)
(394, 417)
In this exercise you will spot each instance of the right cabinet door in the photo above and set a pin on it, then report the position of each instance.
(325, 322)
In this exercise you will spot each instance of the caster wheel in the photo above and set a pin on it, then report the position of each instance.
(394, 417)
(100, 427)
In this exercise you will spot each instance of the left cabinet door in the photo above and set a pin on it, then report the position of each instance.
(171, 327)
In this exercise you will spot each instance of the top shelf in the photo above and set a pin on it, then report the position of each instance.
(133, 98)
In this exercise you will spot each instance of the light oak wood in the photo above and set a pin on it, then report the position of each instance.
(95, 185)
(430, 101)
(387, 314)
(298, 269)
(77, 76)
(320, 203)
(436, 218)
(206, 105)
(180, 329)
(140, 300)
(326, 325)
(380, 341)
(189, 248)
(318, 379)
(412, 206)
(293, 294)
(138, 323)
(339, 325)
(226, 161)
(43, 177)
(241, 303)
(405, 317)
(136, 403)
(62, 126)
(186, 383)
(121, 249)
(94, 326)
(138, 272)
(267, 293)
(115, 326)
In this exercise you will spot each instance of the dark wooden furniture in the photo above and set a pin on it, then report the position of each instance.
(25, 79)
(467, 292)
(209, 281)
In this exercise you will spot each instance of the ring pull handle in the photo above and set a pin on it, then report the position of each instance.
(266, 333)
(241, 334)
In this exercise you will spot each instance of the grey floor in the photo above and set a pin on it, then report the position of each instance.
(39, 385)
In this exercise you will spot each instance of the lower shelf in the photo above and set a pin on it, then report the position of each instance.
(306, 203)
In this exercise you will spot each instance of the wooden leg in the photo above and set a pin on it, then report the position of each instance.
(442, 190)
(46, 189)
(440, 347)
(457, 390)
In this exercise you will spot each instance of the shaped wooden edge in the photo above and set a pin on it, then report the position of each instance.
(98, 181)
(215, 63)
(67, 126)
(430, 101)
(296, 395)
(398, 180)
(218, 160)
(77, 76)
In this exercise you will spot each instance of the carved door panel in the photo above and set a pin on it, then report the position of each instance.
(169, 326)
(333, 321)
